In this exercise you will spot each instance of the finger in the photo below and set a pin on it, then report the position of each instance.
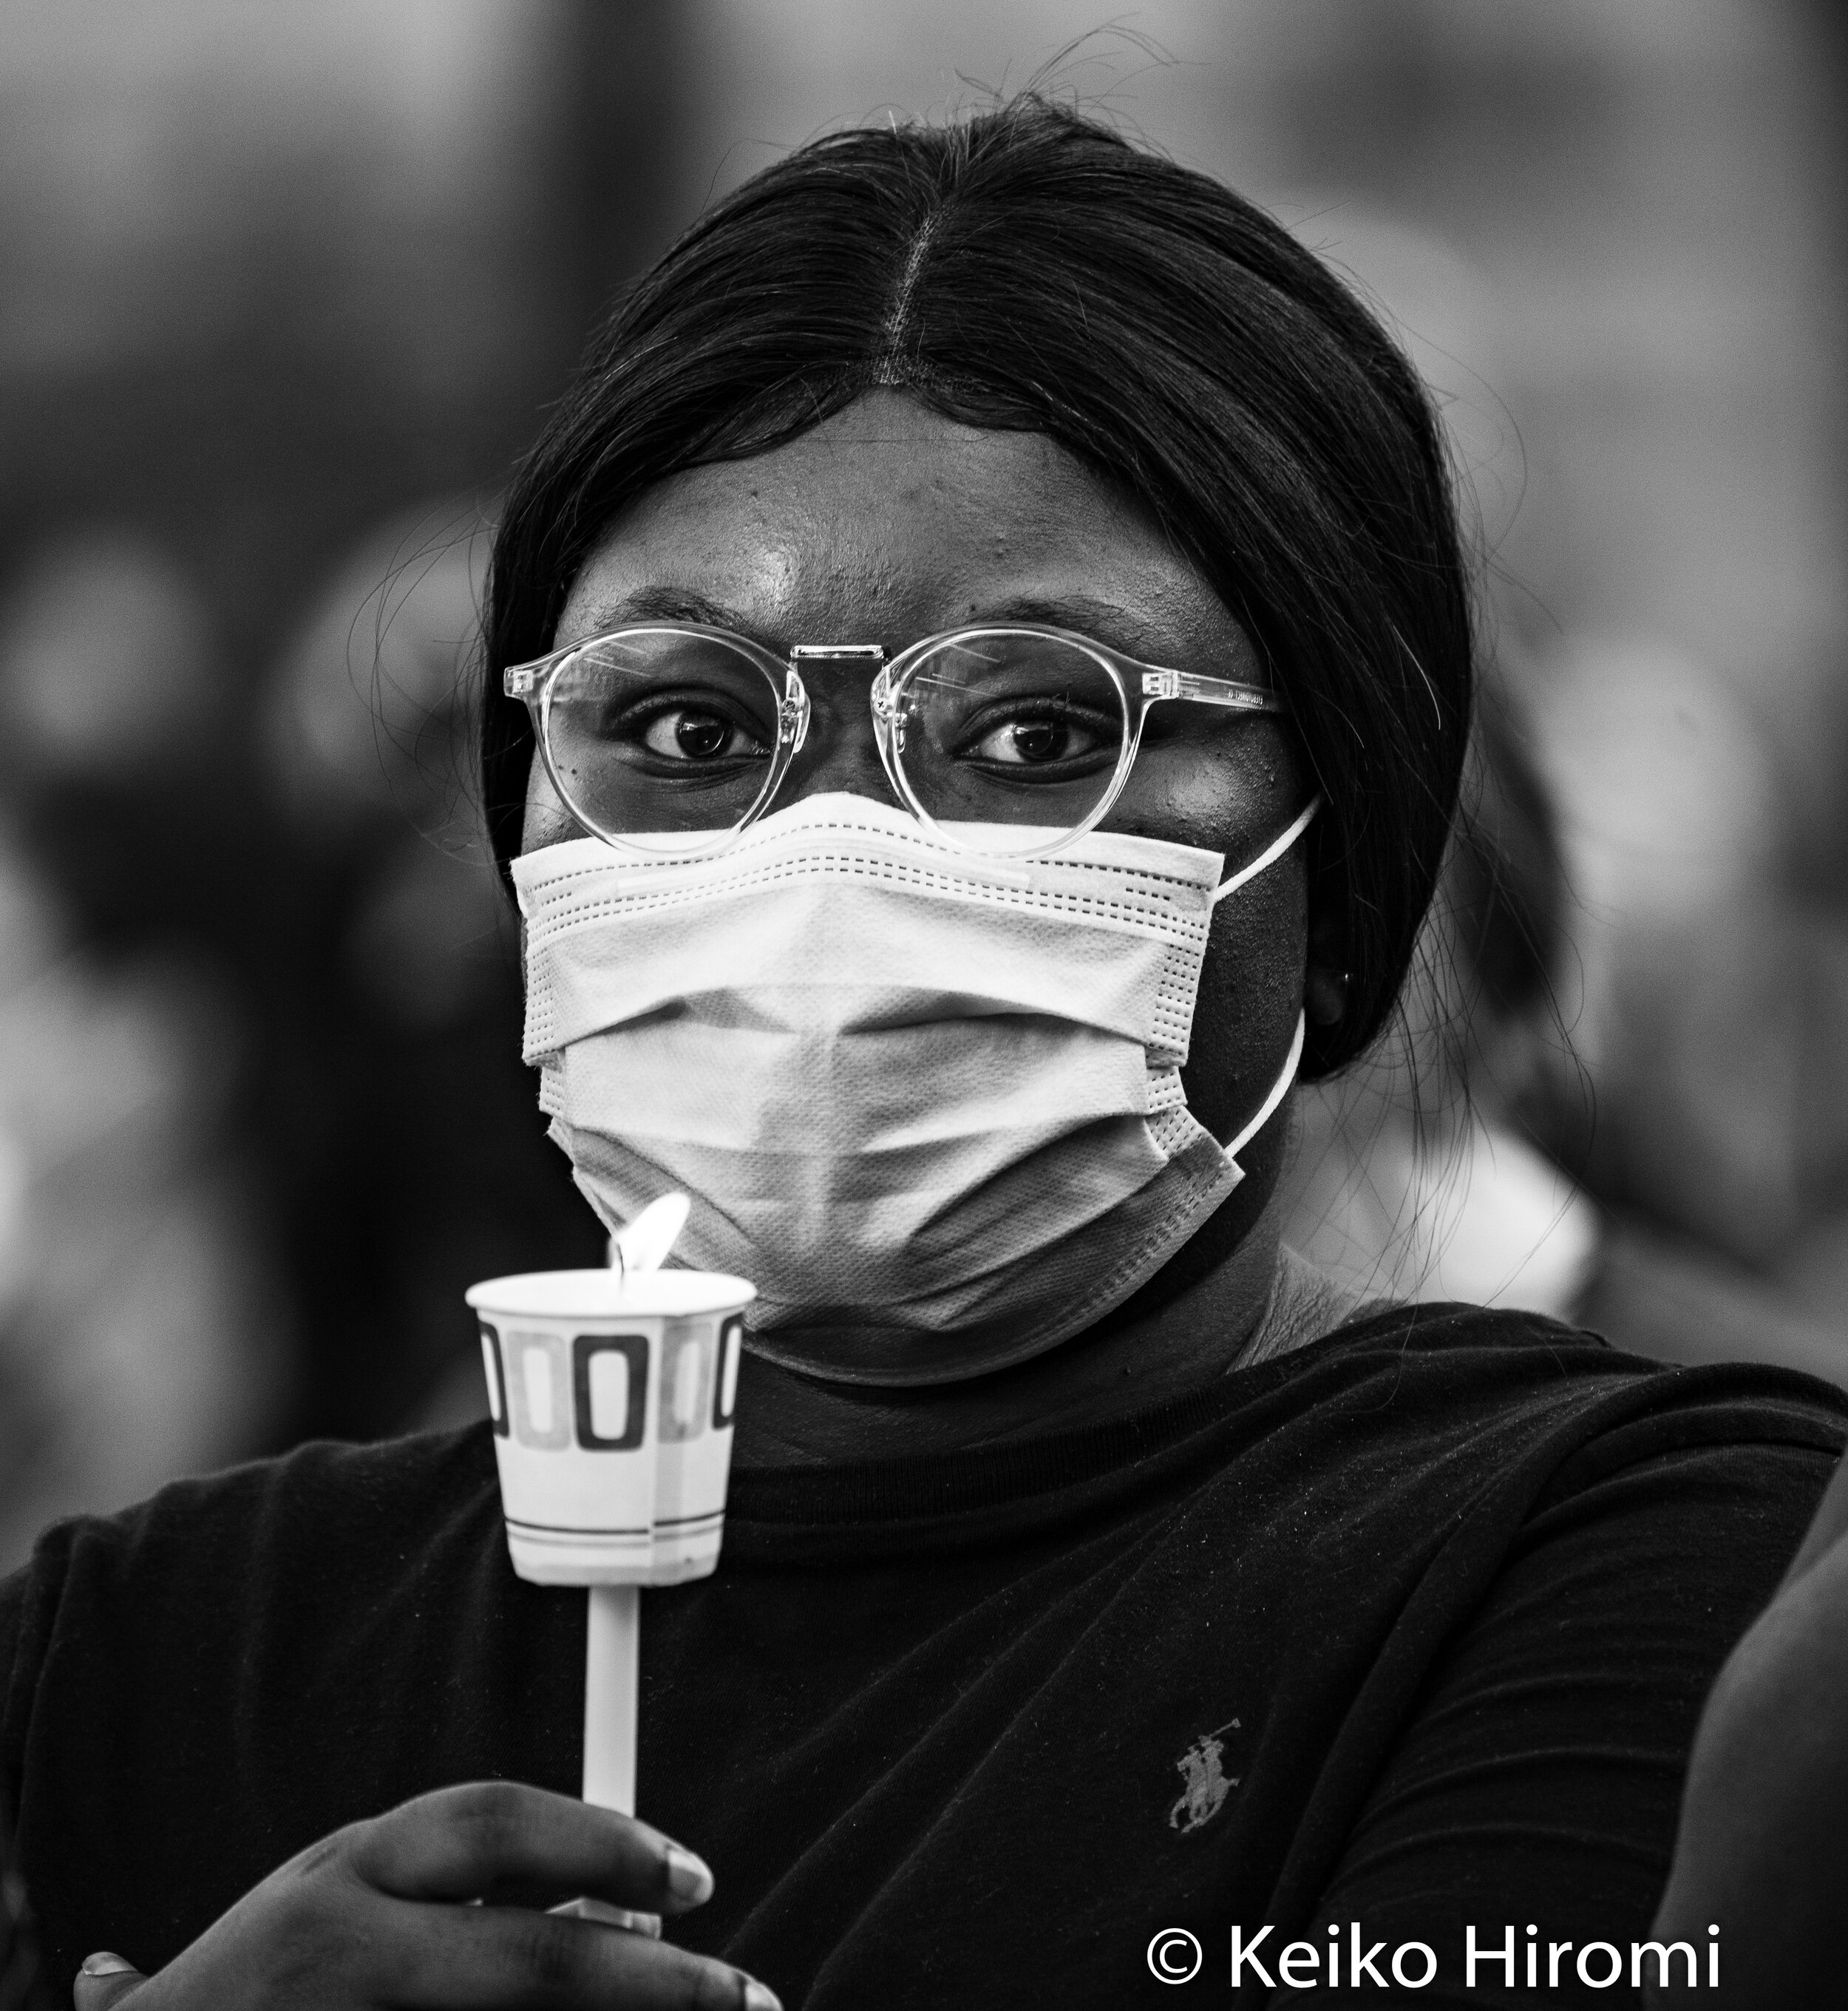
(484, 1958)
(457, 1843)
(105, 1979)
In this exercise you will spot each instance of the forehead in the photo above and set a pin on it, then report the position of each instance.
(888, 522)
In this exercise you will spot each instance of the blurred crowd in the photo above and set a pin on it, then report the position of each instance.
(282, 305)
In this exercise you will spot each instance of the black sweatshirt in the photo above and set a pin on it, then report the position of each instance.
(1405, 1632)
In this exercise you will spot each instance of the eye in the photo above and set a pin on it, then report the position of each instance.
(1036, 740)
(694, 733)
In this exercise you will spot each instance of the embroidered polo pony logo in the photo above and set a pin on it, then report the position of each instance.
(1206, 1782)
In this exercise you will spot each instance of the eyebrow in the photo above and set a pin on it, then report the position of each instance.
(1083, 613)
(665, 604)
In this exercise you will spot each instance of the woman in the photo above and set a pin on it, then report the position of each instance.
(1092, 1571)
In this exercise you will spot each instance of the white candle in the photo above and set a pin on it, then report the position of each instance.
(612, 1675)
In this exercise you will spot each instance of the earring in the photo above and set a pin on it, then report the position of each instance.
(1325, 994)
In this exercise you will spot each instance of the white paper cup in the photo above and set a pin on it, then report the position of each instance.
(612, 1398)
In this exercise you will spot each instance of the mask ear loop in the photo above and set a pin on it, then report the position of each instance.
(1269, 855)
(1281, 1088)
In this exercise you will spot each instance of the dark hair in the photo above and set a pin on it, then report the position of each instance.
(1027, 269)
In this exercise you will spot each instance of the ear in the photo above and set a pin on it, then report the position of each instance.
(1326, 982)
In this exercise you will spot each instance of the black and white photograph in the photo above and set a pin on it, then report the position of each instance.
(923, 1005)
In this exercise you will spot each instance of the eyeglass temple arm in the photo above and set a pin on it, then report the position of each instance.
(1210, 691)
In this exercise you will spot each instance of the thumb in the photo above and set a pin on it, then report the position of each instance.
(104, 1980)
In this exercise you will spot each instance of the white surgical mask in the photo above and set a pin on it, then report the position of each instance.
(929, 1102)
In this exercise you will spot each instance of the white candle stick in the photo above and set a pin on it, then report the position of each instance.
(612, 1657)
(612, 1677)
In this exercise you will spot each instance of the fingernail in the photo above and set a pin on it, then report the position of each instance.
(758, 1997)
(687, 1879)
(104, 1963)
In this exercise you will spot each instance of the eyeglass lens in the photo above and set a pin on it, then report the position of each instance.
(1007, 727)
(657, 729)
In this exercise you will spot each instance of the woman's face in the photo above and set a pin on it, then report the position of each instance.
(887, 523)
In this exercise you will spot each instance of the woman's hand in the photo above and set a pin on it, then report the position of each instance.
(373, 1917)
(1760, 1851)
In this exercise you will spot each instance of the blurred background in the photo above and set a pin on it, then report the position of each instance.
(283, 291)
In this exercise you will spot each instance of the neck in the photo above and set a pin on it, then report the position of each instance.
(1259, 1301)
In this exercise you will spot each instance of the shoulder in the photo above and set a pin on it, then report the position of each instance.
(1480, 1359)
(329, 1528)
(1463, 1402)
(194, 1690)
(1503, 1389)
(325, 1495)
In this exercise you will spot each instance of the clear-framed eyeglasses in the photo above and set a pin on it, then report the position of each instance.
(668, 739)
